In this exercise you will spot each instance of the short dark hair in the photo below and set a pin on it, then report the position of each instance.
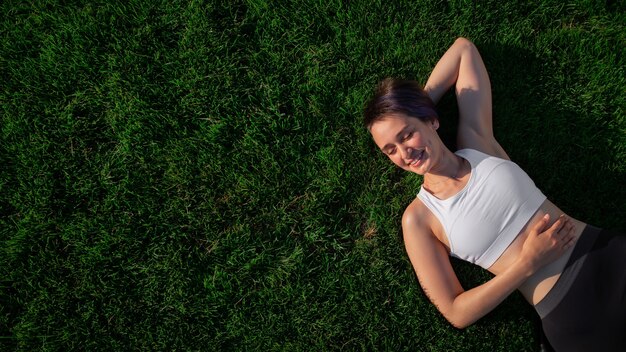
(394, 95)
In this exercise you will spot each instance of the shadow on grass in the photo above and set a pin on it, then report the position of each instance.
(572, 155)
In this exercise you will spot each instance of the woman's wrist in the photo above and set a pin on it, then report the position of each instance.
(525, 267)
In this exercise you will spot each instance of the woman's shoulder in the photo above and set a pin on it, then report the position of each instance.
(489, 147)
(415, 214)
(418, 220)
(414, 210)
(474, 156)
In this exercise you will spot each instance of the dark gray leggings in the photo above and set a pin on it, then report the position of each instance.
(586, 309)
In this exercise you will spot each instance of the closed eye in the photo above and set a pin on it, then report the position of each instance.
(407, 136)
(390, 151)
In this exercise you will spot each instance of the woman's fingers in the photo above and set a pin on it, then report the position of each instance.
(557, 226)
(540, 225)
(563, 234)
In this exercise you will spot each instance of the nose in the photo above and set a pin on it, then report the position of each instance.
(405, 152)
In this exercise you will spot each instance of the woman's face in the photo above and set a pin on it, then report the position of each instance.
(409, 142)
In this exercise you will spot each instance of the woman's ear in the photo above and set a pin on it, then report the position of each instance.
(435, 123)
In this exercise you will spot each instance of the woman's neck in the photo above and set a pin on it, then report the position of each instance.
(448, 171)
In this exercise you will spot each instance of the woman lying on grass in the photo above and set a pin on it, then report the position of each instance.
(477, 205)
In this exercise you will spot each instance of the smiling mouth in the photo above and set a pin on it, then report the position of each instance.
(417, 160)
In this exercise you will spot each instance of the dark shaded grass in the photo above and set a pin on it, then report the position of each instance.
(194, 176)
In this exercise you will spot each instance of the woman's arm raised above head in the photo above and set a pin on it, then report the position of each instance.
(461, 308)
(446, 71)
(463, 67)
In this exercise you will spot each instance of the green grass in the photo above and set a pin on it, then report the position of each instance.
(194, 175)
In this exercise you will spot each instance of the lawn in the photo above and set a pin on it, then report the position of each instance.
(191, 175)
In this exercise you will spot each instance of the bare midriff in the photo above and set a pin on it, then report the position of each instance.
(542, 281)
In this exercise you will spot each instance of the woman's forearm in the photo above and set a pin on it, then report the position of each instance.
(446, 71)
(475, 303)
(542, 246)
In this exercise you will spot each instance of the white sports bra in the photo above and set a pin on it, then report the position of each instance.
(483, 218)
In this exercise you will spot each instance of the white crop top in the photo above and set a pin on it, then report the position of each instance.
(484, 218)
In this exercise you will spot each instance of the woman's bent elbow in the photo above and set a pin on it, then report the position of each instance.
(463, 41)
(459, 325)
(459, 322)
